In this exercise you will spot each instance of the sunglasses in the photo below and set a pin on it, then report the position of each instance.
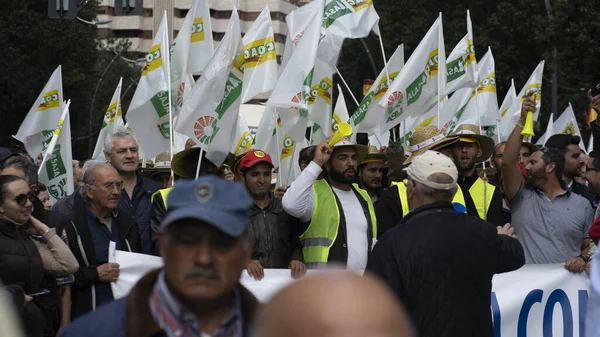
(21, 199)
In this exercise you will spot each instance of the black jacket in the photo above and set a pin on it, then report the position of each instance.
(275, 235)
(82, 246)
(157, 213)
(440, 264)
(583, 191)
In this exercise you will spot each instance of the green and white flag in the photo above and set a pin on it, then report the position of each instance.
(507, 118)
(340, 113)
(113, 119)
(461, 65)
(260, 57)
(565, 124)
(266, 135)
(201, 39)
(292, 92)
(148, 114)
(209, 113)
(243, 137)
(421, 82)
(56, 171)
(350, 18)
(367, 118)
(533, 85)
(38, 127)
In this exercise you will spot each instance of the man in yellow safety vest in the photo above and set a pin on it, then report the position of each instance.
(339, 218)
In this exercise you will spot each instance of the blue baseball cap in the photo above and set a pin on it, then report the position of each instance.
(223, 204)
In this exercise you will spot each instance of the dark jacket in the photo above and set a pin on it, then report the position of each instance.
(82, 246)
(583, 191)
(388, 209)
(157, 213)
(139, 206)
(440, 265)
(21, 265)
(275, 235)
(131, 316)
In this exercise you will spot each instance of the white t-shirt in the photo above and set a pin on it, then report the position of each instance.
(356, 229)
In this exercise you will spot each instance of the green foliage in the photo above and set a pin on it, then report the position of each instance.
(34, 45)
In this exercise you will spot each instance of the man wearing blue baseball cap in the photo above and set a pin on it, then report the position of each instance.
(205, 245)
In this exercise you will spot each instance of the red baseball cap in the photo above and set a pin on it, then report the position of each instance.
(254, 157)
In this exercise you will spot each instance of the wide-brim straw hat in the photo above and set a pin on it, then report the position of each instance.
(427, 138)
(185, 163)
(471, 133)
(373, 155)
(162, 163)
(361, 150)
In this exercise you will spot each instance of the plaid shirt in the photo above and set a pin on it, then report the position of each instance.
(177, 322)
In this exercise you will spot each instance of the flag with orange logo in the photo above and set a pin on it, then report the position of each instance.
(113, 119)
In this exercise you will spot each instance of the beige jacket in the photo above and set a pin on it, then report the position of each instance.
(56, 256)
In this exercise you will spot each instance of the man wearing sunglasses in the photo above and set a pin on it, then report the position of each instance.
(96, 221)
(551, 221)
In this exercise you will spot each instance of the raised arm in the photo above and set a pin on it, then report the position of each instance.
(511, 174)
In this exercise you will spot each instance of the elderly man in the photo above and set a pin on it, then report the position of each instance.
(341, 226)
(551, 221)
(323, 307)
(205, 244)
(439, 262)
(121, 150)
(274, 232)
(96, 221)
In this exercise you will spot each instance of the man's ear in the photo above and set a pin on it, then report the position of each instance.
(107, 157)
(550, 167)
(479, 151)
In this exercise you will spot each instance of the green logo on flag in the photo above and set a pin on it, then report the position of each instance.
(160, 101)
(361, 111)
(164, 130)
(54, 165)
(333, 11)
(455, 69)
(233, 90)
(415, 88)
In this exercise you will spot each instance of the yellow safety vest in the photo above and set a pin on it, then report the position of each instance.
(482, 193)
(323, 228)
(458, 197)
(163, 193)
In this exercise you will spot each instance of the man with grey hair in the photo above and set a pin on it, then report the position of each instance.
(440, 263)
(95, 222)
(122, 152)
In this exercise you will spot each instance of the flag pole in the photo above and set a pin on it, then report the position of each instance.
(439, 82)
(55, 136)
(199, 161)
(346, 85)
(387, 74)
(279, 150)
(168, 63)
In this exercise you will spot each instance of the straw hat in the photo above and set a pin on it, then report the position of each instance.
(470, 133)
(149, 164)
(184, 163)
(373, 155)
(163, 162)
(427, 138)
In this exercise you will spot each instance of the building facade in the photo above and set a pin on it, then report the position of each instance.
(140, 29)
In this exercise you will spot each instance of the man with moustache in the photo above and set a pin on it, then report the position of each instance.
(96, 220)
(470, 149)
(205, 244)
(551, 221)
(122, 152)
(274, 232)
(370, 173)
(340, 224)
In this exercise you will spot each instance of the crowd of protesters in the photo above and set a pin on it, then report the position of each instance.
(430, 229)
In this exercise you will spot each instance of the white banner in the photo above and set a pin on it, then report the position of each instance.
(536, 300)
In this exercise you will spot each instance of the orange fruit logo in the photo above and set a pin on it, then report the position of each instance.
(396, 95)
(203, 127)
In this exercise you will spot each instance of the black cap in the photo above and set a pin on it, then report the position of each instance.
(5, 154)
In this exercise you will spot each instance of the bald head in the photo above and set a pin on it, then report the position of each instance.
(331, 305)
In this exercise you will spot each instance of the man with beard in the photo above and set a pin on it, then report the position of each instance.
(551, 222)
(340, 224)
(470, 149)
(275, 233)
(121, 151)
(370, 173)
(205, 245)
(574, 162)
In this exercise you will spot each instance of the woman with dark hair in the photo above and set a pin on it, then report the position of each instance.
(20, 262)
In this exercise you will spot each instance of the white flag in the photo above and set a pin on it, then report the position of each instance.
(340, 113)
(292, 92)
(590, 147)
(367, 118)
(350, 18)
(549, 131)
(201, 39)
(148, 114)
(209, 113)
(243, 138)
(566, 124)
(288, 159)
(319, 101)
(113, 119)
(508, 119)
(57, 171)
(39, 124)
(420, 83)
(533, 85)
(461, 65)
(260, 65)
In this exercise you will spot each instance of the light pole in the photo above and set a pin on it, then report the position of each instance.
(554, 69)
(91, 116)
